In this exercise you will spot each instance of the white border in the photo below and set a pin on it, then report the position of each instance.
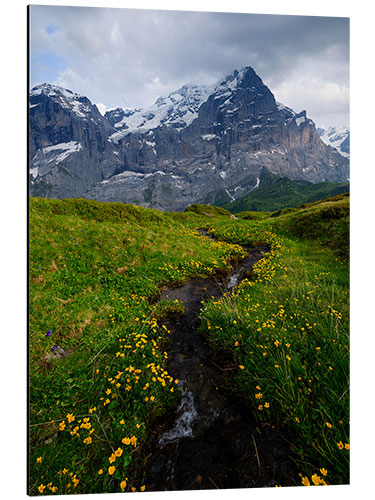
(13, 248)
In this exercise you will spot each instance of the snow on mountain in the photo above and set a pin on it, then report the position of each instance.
(177, 110)
(180, 108)
(72, 101)
(198, 144)
(337, 137)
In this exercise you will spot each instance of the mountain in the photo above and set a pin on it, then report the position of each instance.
(68, 143)
(200, 144)
(338, 138)
(276, 193)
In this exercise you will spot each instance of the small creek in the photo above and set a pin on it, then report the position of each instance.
(211, 440)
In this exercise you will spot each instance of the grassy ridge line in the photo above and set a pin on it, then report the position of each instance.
(93, 267)
(284, 193)
(288, 333)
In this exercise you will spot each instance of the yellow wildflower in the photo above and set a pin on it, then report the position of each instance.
(118, 452)
(39, 460)
(315, 479)
(111, 470)
(347, 446)
(88, 440)
(100, 472)
(241, 367)
(123, 485)
(41, 488)
(143, 488)
(323, 471)
(112, 458)
(340, 445)
(305, 481)
(329, 425)
(133, 441)
(70, 417)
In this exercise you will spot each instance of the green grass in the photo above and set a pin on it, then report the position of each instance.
(207, 210)
(283, 193)
(287, 332)
(95, 269)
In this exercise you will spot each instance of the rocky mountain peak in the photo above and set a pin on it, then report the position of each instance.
(199, 144)
(71, 101)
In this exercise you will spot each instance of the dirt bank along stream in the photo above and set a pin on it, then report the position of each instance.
(211, 440)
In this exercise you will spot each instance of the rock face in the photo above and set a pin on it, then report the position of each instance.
(198, 145)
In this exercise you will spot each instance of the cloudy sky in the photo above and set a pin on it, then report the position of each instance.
(128, 57)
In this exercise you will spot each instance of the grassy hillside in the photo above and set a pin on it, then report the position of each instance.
(98, 379)
(284, 193)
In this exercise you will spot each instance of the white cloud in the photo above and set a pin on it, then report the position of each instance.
(322, 100)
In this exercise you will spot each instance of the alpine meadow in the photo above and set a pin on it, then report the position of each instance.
(188, 259)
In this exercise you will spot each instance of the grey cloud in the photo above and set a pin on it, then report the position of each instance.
(127, 56)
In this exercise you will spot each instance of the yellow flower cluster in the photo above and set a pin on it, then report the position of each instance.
(316, 480)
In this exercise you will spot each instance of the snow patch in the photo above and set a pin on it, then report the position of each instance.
(335, 136)
(67, 149)
(34, 172)
(232, 198)
(208, 137)
(300, 120)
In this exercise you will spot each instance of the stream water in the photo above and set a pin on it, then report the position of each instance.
(211, 440)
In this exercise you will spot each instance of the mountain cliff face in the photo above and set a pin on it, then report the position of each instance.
(204, 144)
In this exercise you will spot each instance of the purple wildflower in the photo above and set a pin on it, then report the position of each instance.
(54, 348)
(48, 334)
